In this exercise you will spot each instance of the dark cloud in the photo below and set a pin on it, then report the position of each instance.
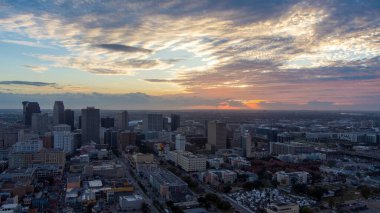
(110, 101)
(29, 83)
(123, 48)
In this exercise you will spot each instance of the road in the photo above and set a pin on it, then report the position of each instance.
(133, 181)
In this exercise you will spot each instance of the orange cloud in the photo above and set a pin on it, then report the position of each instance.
(253, 104)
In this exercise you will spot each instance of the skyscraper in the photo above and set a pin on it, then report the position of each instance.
(122, 120)
(28, 109)
(107, 122)
(58, 113)
(69, 118)
(40, 123)
(180, 142)
(153, 122)
(63, 138)
(216, 135)
(246, 144)
(175, 122)
(90, 125)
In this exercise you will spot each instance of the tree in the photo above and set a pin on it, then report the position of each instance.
(299, 188)
(145, 208)
(365, 191)
(331, 203)
(212, 197)
(224, 205)
(306, 210)
(227, 189)
(248, 186)
(317, 192)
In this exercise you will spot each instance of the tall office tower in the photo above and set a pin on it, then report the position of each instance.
(216, 135)
(40, 123)
(107, 122)
(122, 120)
(165, 124)
(153, 122)
(69, 118)
(180, 142)
(63, 138)
(28, 109)
(80, 122)
(205, 124)
(58, 113)
(90, 125)
(175, 122)
(246, 144)
(111, 138)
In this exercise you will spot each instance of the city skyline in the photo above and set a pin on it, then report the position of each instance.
(287, 55)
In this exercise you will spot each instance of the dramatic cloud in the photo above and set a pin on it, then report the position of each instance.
(28, 83)
(255, 54)
(123, 48)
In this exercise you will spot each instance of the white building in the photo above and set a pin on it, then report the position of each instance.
(63, 138)
(291, 178)
(32, 145)
(180, 142)
(131, 202)
(187, 161)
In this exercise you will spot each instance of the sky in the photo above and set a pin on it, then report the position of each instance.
(172, 54)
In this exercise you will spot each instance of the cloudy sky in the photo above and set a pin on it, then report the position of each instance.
(200, 54)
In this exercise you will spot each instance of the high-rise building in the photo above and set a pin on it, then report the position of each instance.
(80, 122)
(58, 113)
(40, 123)
(216, 135)
(90, 125)
(111, 139)
(63, 138)
(180, 142)
(122, 120)
(28, 109)
(69, 118)
(107, 122)
(153, 122)
(165, 124)
(175, 122)
(126, 138)
(246, 144)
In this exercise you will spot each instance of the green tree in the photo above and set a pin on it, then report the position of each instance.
(331, 203)
(317, 192)
(227, 189)
(365, 191)
(299, 188)
(224, 205)
(145, 208)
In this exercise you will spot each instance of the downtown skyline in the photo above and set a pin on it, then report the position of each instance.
(282, 55)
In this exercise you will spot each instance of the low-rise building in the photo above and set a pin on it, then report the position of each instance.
(187, 161)
(131, 202)
(291, 178)
(282, 208)
(216, 177)
(168, 185)
(277, 148)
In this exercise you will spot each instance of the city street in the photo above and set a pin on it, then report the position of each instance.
(138, 189)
